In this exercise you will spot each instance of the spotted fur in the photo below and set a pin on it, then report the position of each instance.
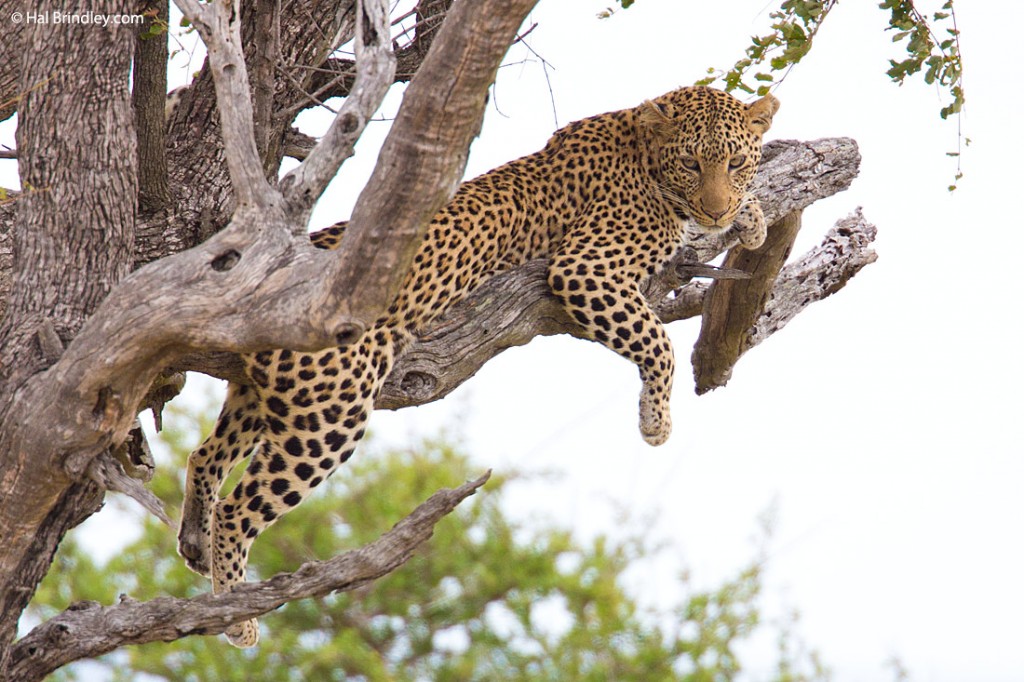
(608, 200)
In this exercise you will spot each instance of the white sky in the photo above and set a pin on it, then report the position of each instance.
(884, 422)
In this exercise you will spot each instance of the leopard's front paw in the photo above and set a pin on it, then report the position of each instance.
(749, 224)
(655, 420)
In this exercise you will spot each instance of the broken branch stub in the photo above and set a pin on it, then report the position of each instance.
(732, 306)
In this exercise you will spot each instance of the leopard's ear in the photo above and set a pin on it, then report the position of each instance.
(760, 113)
(654, 118)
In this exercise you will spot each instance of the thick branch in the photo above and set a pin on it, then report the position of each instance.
(87, 630)
(425, 153)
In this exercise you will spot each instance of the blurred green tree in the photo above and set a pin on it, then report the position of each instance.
(489, 599)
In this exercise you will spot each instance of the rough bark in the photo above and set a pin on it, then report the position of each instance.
(87, 629)
(244, 289)
(149, 92)
(65, 262)
(11, 47)
(816, 275)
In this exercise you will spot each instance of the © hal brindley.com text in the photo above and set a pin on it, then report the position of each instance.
(59, 18)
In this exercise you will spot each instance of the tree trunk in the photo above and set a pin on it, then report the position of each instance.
(72, 244)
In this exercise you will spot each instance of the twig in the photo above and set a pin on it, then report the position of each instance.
(374, 74)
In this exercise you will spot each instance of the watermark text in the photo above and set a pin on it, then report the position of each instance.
(58, 18)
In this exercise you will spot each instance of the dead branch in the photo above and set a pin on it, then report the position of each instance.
(303, 186)
(297, 144)
(816, 275)
(87, 630)
(516, 306)
(219, 25)
(731, 307)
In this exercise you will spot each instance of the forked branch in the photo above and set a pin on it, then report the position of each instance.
(87, 630)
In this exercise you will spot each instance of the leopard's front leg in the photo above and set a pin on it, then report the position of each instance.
(606, 303)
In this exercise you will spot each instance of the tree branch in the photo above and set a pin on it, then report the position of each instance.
(303, 186)
(731, 307)
(515, 306)
(425, 153)
(297, 144)
(87, 629)
(818, 274)
(219, 25)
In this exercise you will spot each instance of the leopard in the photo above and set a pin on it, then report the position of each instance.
(608, 201)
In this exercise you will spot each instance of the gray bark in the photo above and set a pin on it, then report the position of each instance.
(64, 262)
(63, 408)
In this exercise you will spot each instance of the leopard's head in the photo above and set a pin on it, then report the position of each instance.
(707, 145)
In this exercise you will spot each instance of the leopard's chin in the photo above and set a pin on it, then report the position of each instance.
(703, 223)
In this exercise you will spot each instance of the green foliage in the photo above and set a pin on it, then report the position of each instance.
(487, 599)
(794, 26)
(155, 27)
(932, 48)
(796, 23)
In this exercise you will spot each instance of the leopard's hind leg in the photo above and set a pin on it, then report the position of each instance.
(312, 426)
(236, 432)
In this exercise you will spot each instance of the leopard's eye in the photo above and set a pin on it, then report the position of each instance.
(690, 163)
(737, 161)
